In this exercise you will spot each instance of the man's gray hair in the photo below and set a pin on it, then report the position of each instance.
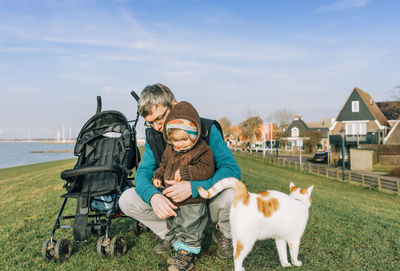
(154, 95)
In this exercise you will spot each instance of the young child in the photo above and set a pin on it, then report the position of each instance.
(186, 157)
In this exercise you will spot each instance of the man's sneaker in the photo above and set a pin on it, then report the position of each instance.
(225, 248)
(162, 247)
(181, 261)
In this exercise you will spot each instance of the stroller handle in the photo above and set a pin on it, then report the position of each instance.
(135, 96)
(98, 110)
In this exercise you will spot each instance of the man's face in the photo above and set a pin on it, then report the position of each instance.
(157, 117)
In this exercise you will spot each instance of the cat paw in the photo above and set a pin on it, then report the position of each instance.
(297, 263)
(286, 264)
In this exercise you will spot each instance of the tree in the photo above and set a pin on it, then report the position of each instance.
(282, 117)
(395, 92)
(226, 126)
(250, 128)
(314, 139)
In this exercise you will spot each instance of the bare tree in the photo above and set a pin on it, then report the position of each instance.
(250, 128)
(226, 126)
(281, 117)
(314, 138)
(395, 92)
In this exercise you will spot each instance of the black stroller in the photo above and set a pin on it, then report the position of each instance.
(107, 151)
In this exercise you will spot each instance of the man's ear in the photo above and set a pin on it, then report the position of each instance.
(174, 102)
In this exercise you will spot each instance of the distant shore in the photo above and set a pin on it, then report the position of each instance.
(44, 141)
(53, 151)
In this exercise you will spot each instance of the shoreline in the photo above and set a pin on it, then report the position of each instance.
(53, 151)
(44, 141)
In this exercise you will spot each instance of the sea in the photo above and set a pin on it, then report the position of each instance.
(14, 154)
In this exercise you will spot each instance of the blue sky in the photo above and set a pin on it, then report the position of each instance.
(228, 58)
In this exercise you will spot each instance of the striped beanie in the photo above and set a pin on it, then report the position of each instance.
(186, 125)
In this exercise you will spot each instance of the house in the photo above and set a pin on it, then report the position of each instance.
(391, 110)
(309, 137)
(321, 127)
(360, 121)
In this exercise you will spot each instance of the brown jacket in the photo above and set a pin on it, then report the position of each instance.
(195, 164)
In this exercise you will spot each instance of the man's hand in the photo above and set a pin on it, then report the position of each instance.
(162, 206)
(179, 191)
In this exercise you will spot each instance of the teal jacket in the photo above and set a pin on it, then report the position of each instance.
(225, 166)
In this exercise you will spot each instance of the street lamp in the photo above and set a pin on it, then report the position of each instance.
(342, 135)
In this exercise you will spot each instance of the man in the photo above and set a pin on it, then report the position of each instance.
(151, 207)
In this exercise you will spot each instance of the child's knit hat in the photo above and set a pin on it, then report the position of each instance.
(186, 125)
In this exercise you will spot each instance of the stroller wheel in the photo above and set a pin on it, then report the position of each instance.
(103, 246)
(48, 249)
(118, 246)
(62, 250)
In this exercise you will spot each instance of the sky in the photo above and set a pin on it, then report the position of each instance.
(231, 59)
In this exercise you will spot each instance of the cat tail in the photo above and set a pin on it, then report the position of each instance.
(219, 186)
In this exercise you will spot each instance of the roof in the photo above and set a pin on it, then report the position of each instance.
(318, 124)
(298, 123)
(373, 107)
(391, 109)
(393, 138)
(324, 131)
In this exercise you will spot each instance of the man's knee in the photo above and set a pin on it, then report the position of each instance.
(128, 200)
(224, 199)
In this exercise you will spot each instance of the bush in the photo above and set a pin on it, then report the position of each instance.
(394, 172)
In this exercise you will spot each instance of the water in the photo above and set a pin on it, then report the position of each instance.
(19, 153)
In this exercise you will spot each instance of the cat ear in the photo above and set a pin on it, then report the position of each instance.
(291, 187)
(310, 189)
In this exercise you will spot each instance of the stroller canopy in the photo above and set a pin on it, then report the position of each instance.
(100, 124)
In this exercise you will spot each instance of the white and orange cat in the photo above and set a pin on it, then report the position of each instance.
(269, 214)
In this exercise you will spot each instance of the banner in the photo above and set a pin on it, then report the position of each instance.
(267, 131)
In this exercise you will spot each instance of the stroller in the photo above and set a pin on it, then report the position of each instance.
(107, 151)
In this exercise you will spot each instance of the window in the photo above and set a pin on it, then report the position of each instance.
(295, 132)
(356, 128)
(289, 146)
(355, 106)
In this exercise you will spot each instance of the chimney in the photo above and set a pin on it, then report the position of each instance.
(297, 117)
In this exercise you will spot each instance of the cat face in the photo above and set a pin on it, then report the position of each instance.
(302, 194)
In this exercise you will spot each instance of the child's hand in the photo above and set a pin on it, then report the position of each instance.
(177, 176)
(157, 183)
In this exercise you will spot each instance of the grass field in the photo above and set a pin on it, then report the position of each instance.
(350, 228)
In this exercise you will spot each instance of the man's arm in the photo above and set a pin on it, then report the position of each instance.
(225, 164)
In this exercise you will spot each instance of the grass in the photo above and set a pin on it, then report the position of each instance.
(350, 228)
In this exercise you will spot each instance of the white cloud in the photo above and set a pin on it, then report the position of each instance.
(342, 5)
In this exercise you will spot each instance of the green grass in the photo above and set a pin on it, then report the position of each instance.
(350, 228)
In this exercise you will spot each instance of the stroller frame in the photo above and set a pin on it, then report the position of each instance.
(108, 179)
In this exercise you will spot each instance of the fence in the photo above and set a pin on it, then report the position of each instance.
(381, 183)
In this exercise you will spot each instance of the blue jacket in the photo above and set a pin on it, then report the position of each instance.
(225, 166)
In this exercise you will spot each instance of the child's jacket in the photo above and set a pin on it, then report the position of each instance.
(195, 164)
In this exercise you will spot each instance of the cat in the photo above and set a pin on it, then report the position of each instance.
(268, 214)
